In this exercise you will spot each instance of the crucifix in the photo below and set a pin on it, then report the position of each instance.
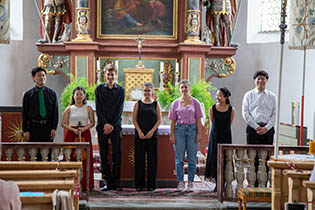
(140, 40)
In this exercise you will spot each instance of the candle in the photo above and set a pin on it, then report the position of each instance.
(98, 65)
(116, 64)
(161, 67)
(177, 68)
(312, 147)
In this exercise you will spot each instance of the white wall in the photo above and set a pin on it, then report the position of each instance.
(252, 57)
(17, 59)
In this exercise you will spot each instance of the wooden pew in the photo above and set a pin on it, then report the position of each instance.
(310, 188)
(45, 186)
(296, 191)
(20, 165)
(43, 177)
(15, 175)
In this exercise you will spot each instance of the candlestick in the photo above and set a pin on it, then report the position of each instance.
(116, 64)
(176, 68)
(161, 67)
(98, 75)
(98, 64)
(161, 81)
(312, 147)
(176, 78)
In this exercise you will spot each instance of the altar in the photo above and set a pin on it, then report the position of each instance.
(176, 45)
(166, 175)
(158, 41)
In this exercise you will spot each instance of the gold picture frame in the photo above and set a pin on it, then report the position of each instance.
(127, 19)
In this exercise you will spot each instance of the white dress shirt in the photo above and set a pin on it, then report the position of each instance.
(259, 107)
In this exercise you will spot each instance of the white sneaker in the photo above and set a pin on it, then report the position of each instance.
(180, 186)
(190, 187)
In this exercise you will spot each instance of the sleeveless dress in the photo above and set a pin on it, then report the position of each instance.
(80, 114)
(220, 134)
(146, 118)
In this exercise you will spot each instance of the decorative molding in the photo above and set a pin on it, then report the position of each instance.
(54, 64)
(219, 67)
(193, 27)
(230, 62)
(168, 73)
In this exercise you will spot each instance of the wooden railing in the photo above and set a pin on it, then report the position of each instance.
(236, 167)
(27, 151)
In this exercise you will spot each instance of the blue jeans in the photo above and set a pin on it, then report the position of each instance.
(185, 136)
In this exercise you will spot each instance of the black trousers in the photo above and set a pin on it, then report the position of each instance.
(40, 133)
(111, 176)
(254, 138)
(147, 147)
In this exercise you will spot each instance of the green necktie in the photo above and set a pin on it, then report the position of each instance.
(42, 108)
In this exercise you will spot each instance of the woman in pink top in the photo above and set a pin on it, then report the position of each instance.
(185, 115)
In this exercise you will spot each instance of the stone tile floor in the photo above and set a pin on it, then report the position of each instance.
(163, 199)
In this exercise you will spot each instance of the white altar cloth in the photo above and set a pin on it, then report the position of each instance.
(130, 129)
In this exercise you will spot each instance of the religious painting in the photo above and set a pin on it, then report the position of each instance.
(127, 19)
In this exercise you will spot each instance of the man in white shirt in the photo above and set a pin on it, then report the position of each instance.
(259, 111)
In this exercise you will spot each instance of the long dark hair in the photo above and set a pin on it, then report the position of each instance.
(75, 89)
(226, 94)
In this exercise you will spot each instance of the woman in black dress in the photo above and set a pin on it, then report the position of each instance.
(146, 119)
(221, 117)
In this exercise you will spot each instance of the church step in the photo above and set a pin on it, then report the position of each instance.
(169, 205)
(156, 205)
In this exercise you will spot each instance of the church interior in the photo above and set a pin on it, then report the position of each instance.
(162, 42)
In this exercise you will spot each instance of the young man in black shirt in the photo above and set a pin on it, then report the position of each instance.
(109, 102)
(40, 110)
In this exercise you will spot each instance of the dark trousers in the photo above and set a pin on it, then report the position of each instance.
(254, 138)
(40, 133)
(143, 147)
(111, 176)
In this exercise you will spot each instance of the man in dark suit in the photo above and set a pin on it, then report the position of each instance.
(40, 110)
